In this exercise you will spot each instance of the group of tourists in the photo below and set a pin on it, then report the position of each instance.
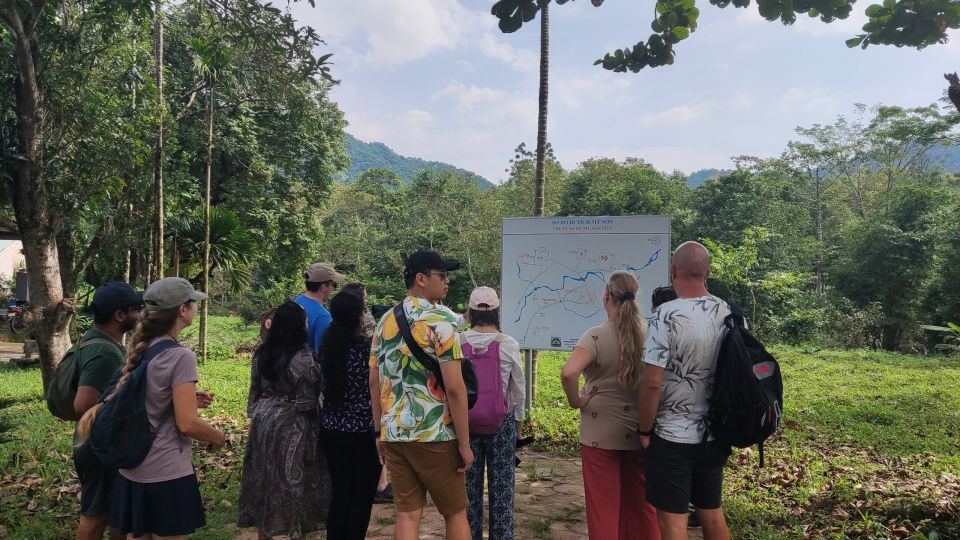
(338, 403)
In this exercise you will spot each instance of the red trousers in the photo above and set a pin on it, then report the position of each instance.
(615, 490)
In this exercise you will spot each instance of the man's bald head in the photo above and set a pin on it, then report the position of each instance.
(691, 260)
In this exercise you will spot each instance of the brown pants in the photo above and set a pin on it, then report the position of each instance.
(418, 468)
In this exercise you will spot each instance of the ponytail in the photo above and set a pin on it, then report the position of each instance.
(623, 288)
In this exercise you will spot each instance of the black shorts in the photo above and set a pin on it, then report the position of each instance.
(96, 482)
(678, 474)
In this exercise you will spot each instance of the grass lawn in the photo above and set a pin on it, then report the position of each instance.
(870, 447)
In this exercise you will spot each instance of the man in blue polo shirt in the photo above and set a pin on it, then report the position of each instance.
(321, 280)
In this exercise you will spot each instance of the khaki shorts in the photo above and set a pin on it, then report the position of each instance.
(417, 468)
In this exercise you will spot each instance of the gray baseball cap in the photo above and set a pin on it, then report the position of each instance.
(170, 292)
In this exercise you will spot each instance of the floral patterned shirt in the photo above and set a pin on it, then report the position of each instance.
(353, 413)
(683, 338)
(413, 406)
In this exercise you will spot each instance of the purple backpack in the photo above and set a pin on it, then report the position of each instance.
(491, 408)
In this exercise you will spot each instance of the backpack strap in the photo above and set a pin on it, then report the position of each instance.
(95, 341)
(154, 350)
(404, 325)
(736, 316)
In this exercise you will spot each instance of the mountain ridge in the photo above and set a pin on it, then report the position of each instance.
(368, 155)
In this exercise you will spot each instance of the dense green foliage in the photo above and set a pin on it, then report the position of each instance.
(277, 142)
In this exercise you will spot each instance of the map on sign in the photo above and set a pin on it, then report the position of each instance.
(555, 271)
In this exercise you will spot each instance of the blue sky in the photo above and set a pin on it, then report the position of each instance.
(436, 79)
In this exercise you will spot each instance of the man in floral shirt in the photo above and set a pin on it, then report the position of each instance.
(422, 431)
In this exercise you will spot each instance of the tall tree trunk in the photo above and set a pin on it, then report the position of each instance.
(538, 188)
(128, 253)
(175, 259)
(49, 316)
(158, 258)
(819, 279)
(538, 185)
(206, 229)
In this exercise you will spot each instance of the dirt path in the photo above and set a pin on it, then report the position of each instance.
(549, 505)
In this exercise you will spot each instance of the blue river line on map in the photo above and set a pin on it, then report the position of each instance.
(579, 277)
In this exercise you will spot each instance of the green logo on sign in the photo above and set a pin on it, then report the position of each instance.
(555, 342)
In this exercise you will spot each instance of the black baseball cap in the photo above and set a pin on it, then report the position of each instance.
(424, 261)
(116, 296)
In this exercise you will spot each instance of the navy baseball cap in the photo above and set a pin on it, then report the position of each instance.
(116, 296)
(424, 261)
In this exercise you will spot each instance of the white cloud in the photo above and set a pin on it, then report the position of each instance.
(394, 32)
(742, 101)
(471, 97)
(806, 98)
(676, 116)
(418, 119)
(494, 46)
(586, 87)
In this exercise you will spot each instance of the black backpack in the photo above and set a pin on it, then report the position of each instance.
(121, 436)
(747, 400)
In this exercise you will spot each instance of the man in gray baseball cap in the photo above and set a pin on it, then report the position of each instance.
(170, 292)
(321, 279)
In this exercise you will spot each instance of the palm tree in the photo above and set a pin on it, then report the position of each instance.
(231, 246)
(209, 60)
(542, 114)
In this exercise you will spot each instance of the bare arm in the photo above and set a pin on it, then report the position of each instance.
(456, 392)
(570, 377)
(651, 378)
(516, 389)
(87, 396)
(188, 421)
(375, 397)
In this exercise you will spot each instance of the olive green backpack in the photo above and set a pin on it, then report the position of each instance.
(63, 385)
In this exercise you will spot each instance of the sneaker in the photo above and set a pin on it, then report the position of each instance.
(385, 496)
(692, 521)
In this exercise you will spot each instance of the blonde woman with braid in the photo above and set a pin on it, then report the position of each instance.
(609, 358)
(160, 498)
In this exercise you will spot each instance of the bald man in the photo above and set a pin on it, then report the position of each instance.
(677, 380)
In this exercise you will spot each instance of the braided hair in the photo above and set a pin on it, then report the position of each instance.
(155, 323)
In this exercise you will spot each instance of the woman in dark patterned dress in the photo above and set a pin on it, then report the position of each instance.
(285, 487)
(347, 420)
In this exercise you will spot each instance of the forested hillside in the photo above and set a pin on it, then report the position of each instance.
(369, 155)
